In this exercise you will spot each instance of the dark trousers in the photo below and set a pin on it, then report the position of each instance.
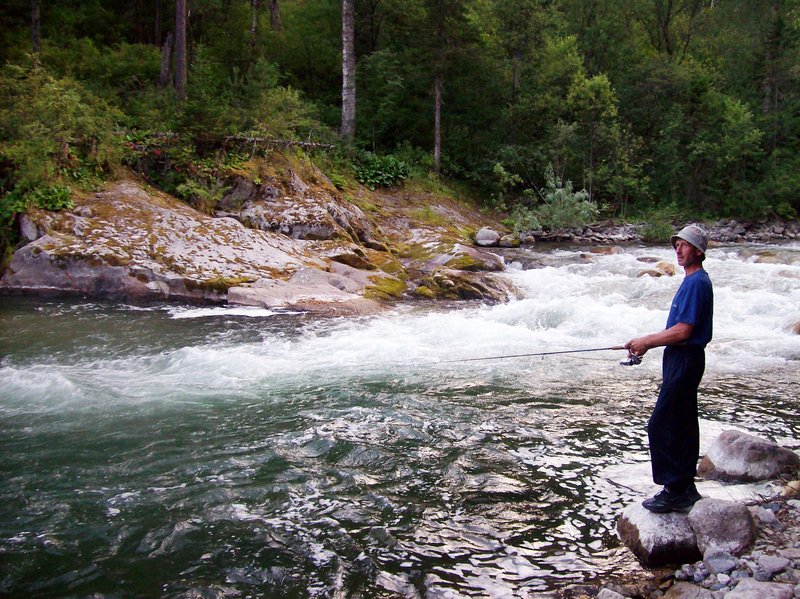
(673, 430)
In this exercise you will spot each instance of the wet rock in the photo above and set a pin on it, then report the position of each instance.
(486, 237)
(725, 525)
(752, 589)
(657, 539)
(738, 457)
(444, 283)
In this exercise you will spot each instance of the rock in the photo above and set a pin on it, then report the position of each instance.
(791, 489)
(486, 237)
(509, 241)
(795, 328)
(458, 284)
(718, 560)
(661, 268)
(725, 525)
(687, 590)
(131, 244)
(748, 588)
(462, 257)
(242, 190)
(738, 457)
(772, 564)
(609, 594)
(609, 250)
(308, 290)
(657, 539)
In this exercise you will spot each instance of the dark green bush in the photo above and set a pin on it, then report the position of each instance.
(376, 171)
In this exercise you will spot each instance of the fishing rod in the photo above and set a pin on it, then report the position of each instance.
(632, 360)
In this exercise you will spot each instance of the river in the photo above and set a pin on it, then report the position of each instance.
(185, 451)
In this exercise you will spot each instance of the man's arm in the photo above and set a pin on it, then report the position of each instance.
(671, 336)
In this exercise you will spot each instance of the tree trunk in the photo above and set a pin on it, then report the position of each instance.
(769, 85)
(165, 76)
(36, 36)
(254, 6)
(348, 129)
(180, 50)
(437, 124)
(274, 15)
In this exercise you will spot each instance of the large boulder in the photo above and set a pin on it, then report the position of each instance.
(486, 237)
(657, 539)
(131, 243)
(735, 456)
(726, 525)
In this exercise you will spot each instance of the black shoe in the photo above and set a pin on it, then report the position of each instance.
(669, 501)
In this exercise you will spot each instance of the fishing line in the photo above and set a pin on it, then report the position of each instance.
(631, 361)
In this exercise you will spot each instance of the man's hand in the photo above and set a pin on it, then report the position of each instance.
(637, 346)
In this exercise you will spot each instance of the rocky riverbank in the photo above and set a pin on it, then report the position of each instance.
(721, 549)
(289, 239)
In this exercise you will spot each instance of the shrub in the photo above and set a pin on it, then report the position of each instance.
(380, 171)
(53, 129)
(564, 207)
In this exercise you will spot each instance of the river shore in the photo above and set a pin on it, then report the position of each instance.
(773, 559)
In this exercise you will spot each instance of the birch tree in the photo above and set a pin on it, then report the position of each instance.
(348, 128)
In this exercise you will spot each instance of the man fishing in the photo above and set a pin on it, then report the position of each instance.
(673, 429)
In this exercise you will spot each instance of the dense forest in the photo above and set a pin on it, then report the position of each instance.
(651, 108)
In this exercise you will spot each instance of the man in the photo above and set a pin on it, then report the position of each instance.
(673, 429)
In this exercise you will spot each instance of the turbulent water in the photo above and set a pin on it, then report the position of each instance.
(217, 452)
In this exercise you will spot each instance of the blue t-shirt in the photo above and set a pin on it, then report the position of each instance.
(694, 304)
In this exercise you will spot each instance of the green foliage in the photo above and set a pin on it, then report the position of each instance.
(522, 219)
(376, 171)
(53, 197)
(698, 106)
(53, 129)
(563, 207)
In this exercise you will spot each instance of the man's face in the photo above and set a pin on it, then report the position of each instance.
(687, 254)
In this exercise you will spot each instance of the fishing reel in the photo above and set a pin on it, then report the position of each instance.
(633, 360)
